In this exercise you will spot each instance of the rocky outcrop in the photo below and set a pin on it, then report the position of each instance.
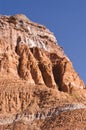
(34, 74)
(30, 51)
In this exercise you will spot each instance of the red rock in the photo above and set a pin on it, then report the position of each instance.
(34, 72)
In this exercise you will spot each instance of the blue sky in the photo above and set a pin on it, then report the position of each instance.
(66, 18)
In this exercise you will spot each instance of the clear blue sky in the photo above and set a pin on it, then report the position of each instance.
(66, 18)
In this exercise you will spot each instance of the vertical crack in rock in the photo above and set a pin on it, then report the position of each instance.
(45, 67)
(28, 66)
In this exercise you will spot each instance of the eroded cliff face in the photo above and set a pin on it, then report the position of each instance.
(34, 71)
(30, 51)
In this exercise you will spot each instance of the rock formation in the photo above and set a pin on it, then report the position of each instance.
(30, 51)
(34, 71)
